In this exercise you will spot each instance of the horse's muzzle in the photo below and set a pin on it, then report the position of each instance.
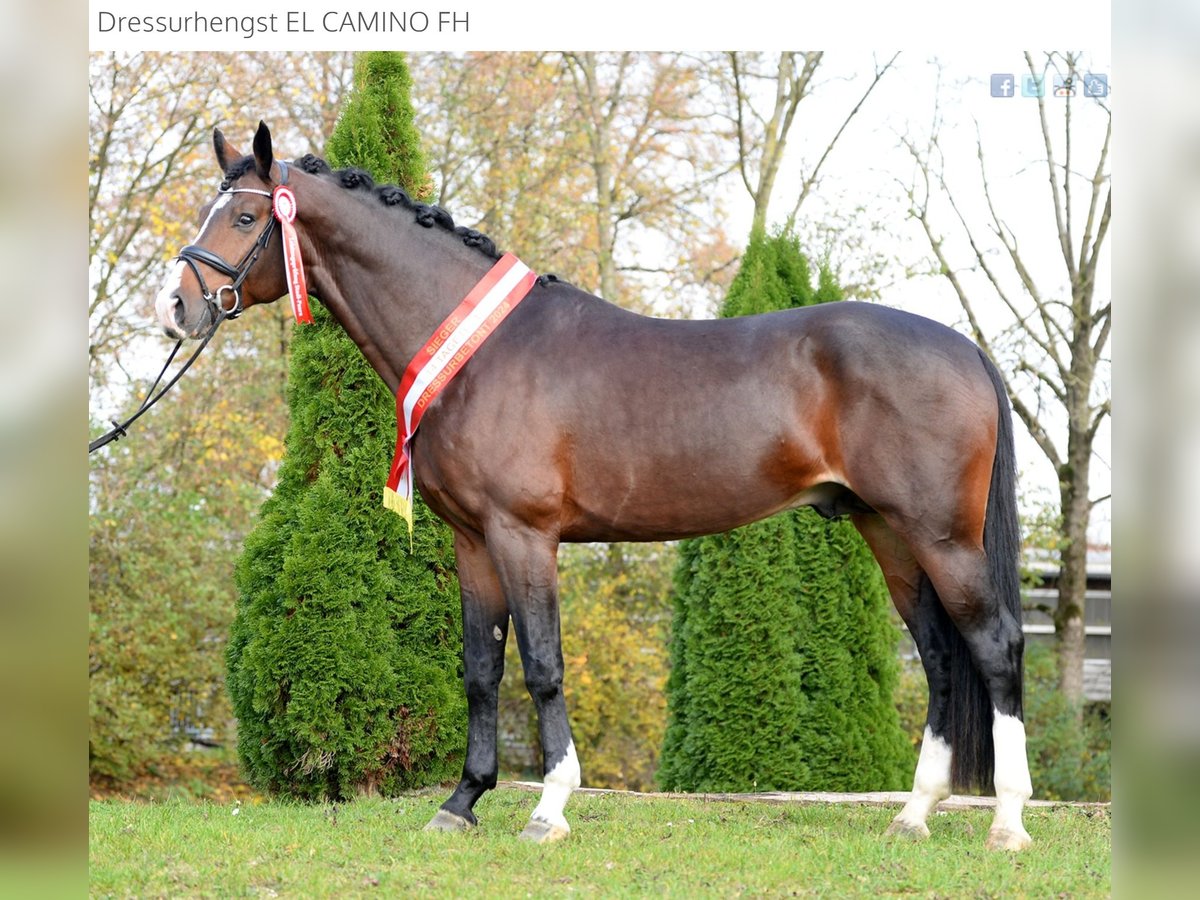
(173, 317)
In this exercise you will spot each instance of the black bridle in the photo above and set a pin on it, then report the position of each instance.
(193, 254)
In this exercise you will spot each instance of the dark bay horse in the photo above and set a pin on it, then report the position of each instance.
(578, 421)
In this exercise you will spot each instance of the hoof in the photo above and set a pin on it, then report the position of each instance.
(1007, 839)
(539, 831)
(911, 831)
(447, 821)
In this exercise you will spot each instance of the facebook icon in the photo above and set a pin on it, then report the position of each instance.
(1002, 85)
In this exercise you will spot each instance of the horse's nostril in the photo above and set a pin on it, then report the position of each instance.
(179, 311)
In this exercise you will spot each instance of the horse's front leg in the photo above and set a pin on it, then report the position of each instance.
(485, 629)
(526, 562)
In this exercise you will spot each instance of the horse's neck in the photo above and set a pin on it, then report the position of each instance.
(387, 280)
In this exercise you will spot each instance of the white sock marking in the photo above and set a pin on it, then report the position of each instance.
(1013, 786)
(557, 787)
(931, 783)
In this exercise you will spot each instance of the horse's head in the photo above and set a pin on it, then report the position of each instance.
(235, 260)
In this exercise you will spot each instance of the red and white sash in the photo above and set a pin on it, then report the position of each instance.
(443, 356)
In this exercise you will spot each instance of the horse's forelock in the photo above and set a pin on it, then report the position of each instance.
(237, 170)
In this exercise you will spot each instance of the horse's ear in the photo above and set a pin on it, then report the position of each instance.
(263, 157)
(226, 155)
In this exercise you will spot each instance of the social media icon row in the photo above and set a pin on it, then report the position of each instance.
(1005, 85)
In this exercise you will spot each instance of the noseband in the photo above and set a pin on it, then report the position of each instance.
(193, 254)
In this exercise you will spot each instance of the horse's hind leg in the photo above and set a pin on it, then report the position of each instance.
(918, 606)
(992, 633)
(485, 629)
(527, 566)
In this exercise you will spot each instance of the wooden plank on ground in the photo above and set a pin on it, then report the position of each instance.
(872, 798)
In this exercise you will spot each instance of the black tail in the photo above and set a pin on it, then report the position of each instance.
(1002, 526)
(968, 708)
(969, 713)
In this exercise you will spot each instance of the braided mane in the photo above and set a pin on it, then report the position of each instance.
(353, 178)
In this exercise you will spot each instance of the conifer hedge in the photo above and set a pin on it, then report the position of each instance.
(783, 655)
(344, 658)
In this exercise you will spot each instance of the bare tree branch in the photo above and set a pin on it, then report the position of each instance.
(1028, 416)
(811, 179)
(739, 120)
(1054, 386)
(1089, 251)
(1064, 236)
(1102, 412)
(1053, 331)
(1046, 344)
(1104, 319)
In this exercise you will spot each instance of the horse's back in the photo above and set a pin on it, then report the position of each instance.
(848, 331)
(746, 372)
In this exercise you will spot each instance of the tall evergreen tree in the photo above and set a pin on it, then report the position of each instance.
(782, 652)
(343, 661)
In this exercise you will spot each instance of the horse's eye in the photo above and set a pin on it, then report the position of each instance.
(245, 219)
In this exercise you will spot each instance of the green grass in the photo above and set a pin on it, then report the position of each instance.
(619, 846)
